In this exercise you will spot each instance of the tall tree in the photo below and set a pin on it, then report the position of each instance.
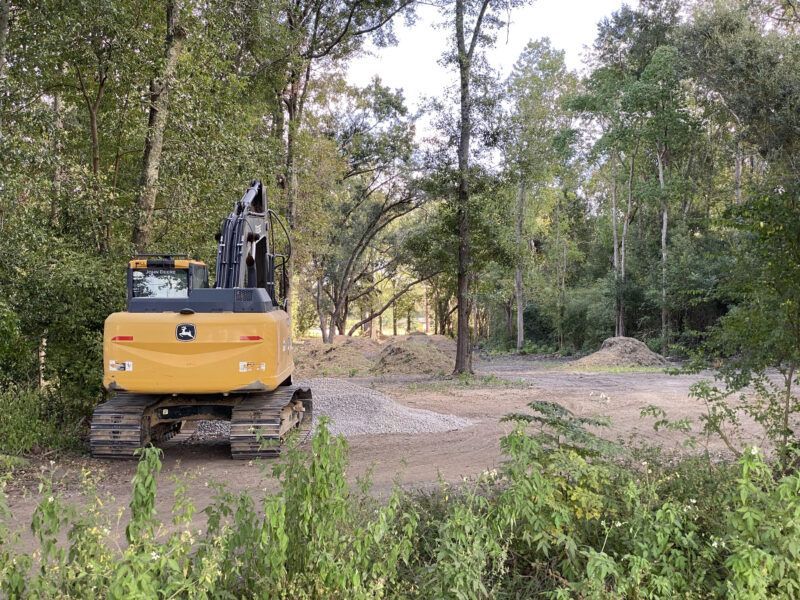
(474, 23)
(312, 31)
(156, 125)
(537, 88)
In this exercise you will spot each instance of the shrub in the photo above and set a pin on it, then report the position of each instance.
(559, 521)
(28, 422)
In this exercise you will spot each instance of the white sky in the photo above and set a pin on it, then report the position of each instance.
(413, 65)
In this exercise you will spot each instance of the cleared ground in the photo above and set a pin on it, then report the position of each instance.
(504, 385)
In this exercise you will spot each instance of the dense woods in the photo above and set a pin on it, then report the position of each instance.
(653, 196)
(547, 211)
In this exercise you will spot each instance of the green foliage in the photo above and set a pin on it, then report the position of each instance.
(31, 420)
(560, 428)
(555, 520)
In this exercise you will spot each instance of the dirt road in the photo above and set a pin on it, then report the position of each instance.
(412, 460)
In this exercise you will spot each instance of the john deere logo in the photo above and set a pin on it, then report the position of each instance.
(185, 332)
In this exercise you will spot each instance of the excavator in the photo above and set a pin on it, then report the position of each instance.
(183, 351)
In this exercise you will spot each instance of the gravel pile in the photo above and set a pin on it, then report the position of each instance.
(357, 410)
(354, 410)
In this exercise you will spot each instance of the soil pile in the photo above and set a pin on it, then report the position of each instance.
(415, 355)
(622, 352)
(345, 357)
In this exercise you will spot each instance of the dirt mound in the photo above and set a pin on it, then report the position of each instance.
(415, 355)
(622, 352)
(345, 357)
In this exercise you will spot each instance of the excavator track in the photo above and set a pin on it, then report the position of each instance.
(260, 422)
(118, 426)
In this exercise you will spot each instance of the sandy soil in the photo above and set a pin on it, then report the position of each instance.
(411, 460)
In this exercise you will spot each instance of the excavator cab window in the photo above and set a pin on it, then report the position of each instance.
(159, 283)
(163, 277)
(199, 276)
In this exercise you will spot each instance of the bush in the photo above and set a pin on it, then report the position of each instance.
(29, 421)
(557, 521)
(17, 354)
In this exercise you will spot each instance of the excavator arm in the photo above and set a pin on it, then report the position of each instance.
(246, 255)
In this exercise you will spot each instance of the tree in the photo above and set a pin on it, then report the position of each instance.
(309, 32)
(746, 63)
(474, 23)
(156, 124)
(354, 246)
(537, 87)
(667, 132)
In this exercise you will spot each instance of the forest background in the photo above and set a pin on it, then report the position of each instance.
(654, 197)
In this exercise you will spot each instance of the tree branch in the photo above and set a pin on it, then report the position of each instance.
(390, 302)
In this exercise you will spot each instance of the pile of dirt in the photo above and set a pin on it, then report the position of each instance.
(415, 355)
(622, 352)
(345, 357)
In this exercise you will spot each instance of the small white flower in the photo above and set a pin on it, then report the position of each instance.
(154, 555)
(50, 499)
(618, 524)
(714, 544)
(754, 450)
(692, 500)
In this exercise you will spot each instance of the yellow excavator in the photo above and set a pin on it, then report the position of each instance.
(183, 351)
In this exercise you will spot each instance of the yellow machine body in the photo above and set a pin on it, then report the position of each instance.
(229, 352)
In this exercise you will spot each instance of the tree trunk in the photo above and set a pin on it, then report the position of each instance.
(616, 252)
(623, 247)
(427, 312)
(58, 171)
(519, 293)
(5, 20)
(394, 318)
(321, 314)
(341, 324)
(157, 123)
(295, 102)
(463, 341)
(738, 172)
(664, 226)
(291, 205)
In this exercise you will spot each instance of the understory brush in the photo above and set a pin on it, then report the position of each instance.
(563, 518)
(32, 419)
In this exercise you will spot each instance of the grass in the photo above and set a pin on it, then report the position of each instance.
(468, 381)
